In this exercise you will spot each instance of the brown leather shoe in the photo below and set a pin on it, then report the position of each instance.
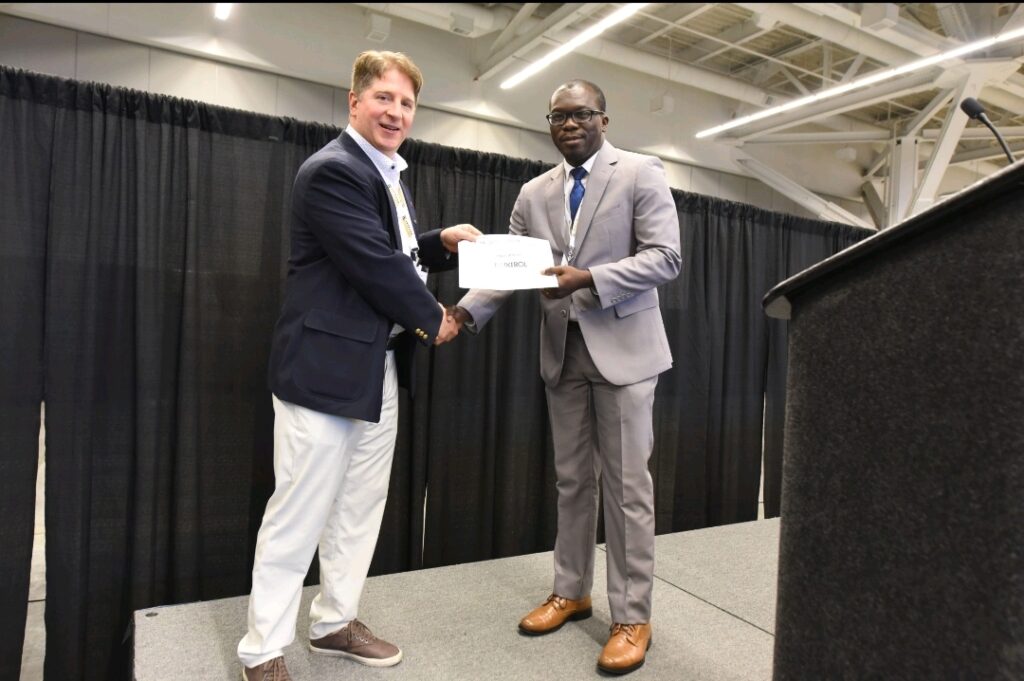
(626, 649)
(271, 670)
(356, 642)
(553, 613)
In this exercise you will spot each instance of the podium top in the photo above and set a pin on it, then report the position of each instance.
(778, 301)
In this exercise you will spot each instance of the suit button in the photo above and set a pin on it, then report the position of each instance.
(564, 313)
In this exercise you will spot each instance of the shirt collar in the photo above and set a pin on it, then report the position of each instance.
(588, 165)
(388, 167)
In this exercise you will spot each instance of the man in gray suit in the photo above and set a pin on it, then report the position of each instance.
(613, 227)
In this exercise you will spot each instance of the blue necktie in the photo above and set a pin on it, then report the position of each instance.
(576, 194)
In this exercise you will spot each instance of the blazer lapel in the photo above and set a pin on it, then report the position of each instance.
(601, 174)
(554, 199)
(356, 151)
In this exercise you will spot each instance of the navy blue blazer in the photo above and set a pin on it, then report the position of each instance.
(348, 283)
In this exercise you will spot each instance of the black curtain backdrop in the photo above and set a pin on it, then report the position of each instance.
(148, 236)
(26, 138)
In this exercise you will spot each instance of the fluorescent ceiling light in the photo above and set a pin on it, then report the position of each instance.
(222, 10)
(870, 79)
(618, 16)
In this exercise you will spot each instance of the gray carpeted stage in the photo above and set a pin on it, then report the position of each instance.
(714, 618)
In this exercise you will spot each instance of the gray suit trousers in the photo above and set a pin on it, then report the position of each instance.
(603, 431)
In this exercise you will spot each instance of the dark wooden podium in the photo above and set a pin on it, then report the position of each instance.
(902, 537)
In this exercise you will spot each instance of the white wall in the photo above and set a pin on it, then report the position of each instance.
(451, 112)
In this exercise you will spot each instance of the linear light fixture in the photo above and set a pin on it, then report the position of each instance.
(222, 10)
(870, 79)
(616, 17)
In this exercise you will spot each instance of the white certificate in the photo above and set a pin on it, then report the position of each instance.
(505, 262)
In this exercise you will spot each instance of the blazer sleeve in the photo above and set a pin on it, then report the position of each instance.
(341, 212)
(433, 256)
(656, 228)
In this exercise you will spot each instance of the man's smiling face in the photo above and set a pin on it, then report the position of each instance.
(383, 112)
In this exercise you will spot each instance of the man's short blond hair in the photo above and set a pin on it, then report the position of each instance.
(371, 65)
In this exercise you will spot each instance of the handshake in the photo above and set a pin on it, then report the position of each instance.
(569, 279)
(454, 319)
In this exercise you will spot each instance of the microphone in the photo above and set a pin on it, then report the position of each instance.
(975, 110)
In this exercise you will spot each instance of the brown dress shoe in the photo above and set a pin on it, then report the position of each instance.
(553, 613)
(626, 649)
(271, 670)
(356, 642)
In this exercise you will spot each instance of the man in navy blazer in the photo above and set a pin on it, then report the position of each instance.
(355, 308)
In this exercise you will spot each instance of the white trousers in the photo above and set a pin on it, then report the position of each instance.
(331, 478)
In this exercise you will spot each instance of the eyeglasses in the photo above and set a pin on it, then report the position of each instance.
(581, 116)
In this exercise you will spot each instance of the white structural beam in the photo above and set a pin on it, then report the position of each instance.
(795, 81)
(956, 20)
(510, 31)
(826, 210)
(868, 136)
(1015, 20)
(741, 32)
(823, 137)
(892, 45)
(557, 20)
(690, 11)
(1015, 131)
(854, 67)
(733, 44)
(985, 154)
(898, 87)
(928, 112)
(952, 127)
(874, 203)
(831, 29)
(877, 163)
(779, 57)
(902, 178)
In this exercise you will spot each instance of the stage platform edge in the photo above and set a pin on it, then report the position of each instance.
(714, 605)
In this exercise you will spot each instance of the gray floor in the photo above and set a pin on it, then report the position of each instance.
(35, 631)
(713, 619)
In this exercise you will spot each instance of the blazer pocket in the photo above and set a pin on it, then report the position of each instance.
(336, 354)
(641, 301)
(336, 325)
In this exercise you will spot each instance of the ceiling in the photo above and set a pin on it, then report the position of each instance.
(751, 45)
(779, 52)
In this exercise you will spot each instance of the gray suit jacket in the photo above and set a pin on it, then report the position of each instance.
(628, 237)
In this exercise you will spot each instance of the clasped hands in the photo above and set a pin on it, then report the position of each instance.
(449, 327)
(569, 279)
(450, 237)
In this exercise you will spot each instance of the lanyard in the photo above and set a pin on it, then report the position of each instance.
(402, 208)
